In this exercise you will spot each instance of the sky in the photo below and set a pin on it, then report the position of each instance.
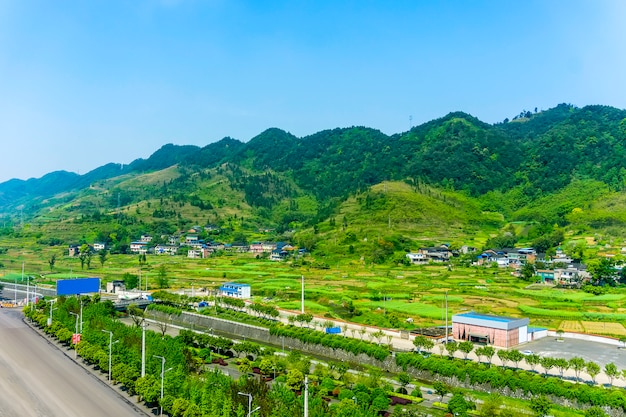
(85, 83)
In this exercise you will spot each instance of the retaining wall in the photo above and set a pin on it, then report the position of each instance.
(262, 335)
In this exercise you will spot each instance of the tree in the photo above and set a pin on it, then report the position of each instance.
(540, 405)
(527, 271)
(578, 365)
(380, 402)
(593, 369)
(266, 366)
(162, 326)
(84, 255)
(52, 261)
(459, 406)
(559, 334)
(602, 271)
(136, 314)
(611, 372)
(422, 342)
(295, 380)
(102, 256)
(533, 360)
(487, 352)
(130, 280)
(491, 406)
(452, 347)
(516, 357)
(162, 280)
(504, 356)
(562, 365)
(245, 366)
(466, 347)
(148, 388)
(547, 363)
(441, 389)
(404, 379)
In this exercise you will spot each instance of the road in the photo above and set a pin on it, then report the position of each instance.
(37, 379)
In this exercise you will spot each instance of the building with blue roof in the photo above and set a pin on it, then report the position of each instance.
(500, 331)
(232, 289)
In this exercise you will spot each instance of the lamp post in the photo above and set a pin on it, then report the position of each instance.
(250, 410)
(111, 342)
(77, 317)
(163, 371)
(27, 286)
(51, 309)
(81, 313)
(143, 347)
(306, 396)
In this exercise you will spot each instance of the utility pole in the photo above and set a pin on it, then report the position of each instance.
(446, 316)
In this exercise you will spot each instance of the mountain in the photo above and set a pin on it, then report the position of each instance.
(540, 166)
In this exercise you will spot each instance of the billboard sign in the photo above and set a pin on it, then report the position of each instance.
(78, 286)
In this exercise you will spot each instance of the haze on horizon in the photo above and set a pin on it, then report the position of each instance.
(87, 83)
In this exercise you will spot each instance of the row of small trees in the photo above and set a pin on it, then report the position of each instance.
(514, 356)
(529, 382)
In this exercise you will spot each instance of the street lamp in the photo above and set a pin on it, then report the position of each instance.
(111, 343)
(77, 317)
(250, 410)
(51, 309)
(143, 347)
(163, 371)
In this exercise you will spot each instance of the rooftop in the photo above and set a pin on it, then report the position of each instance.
(501, 319)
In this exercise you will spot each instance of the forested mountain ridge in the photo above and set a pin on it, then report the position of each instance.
(278, 180)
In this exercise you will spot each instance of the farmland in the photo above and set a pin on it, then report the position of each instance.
(380, 295)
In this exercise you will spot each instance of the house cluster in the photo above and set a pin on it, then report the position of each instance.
(559, 269)
(199, 248)
(436, 254)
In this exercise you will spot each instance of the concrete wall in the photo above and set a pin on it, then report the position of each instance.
(589, 337)
(240, 331)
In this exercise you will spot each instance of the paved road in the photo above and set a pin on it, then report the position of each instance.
(37, 379)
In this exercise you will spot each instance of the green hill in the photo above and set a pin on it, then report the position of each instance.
(455, 179)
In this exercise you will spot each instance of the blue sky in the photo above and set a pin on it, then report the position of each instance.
(84, 83)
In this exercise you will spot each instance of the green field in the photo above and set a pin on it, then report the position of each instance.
(368, 294)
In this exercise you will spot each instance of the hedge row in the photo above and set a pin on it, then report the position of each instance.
(311, 336)
(528, 382)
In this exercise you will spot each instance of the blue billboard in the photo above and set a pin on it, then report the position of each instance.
(78, 286)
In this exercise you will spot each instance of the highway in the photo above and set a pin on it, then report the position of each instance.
(37, 379)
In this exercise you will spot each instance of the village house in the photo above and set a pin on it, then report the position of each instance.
(261, 247)
(97, 246)
(191, 239)
(73, 250)
(165, 250)
(139, 247)
(431, 254)
(195, 254)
